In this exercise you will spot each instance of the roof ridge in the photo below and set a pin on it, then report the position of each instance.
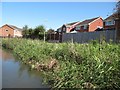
(87, 21)
(72, 23)
(14, 27)
(93, 18)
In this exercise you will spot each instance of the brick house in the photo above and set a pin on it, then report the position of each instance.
(90, 25)
(10, 31)
(110, 23)
(66, 28)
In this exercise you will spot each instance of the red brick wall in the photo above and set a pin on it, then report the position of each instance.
(94, 24)
(5, 33)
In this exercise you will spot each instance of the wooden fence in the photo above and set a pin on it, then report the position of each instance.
(55, 37)
(84, 37)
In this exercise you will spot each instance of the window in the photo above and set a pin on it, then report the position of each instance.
(77, 28)
(112, 22)
(82, 27)
(85, 27)
(64, 29)
(6, 30)
(59, 30)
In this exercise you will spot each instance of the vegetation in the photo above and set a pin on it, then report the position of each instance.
(37, 32)
(118, 8)
(75, 65)
(50, 31)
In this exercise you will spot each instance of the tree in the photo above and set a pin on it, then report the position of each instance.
(50, 31)
(25, 27)
(39, 30)
(30, 31)
(118, 6)
(25, 31)
(117, 10)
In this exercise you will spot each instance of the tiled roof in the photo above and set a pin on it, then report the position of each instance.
(71, 23)
(87, 21)
(111, 16)
(80, 23)
(14, 27)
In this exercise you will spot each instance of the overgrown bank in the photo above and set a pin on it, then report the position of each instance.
(68, 65)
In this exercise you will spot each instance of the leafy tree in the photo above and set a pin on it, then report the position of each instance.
(25, 27)
(39, 30)
(118, 7)
(30, 31)
(25, 31)
(50, 31)
(117, 11)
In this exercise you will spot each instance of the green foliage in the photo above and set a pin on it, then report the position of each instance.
(50, 31)
(39, 30)
(90, 65)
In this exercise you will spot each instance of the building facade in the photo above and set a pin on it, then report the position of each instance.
(66, 28)
(10, 31)
(90, 25)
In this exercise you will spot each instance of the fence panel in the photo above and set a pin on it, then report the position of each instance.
(84, 37)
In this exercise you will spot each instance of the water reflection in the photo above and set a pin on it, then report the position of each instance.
(6, 56)
(17, 75)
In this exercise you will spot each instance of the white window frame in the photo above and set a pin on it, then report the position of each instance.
(110, 22)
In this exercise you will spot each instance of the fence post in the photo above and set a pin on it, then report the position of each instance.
(59, 37)
(72, 38)
(117, 30)
(44, 36)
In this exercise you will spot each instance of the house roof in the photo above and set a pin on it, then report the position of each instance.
(13, 27)
(88, 21)
(59, 28)
(72, 23)
(112, 16)
(67, 25)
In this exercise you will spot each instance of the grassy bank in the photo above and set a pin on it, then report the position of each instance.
(68, 65)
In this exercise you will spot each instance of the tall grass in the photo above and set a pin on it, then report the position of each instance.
(90, 65)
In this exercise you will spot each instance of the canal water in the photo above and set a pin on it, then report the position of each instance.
(17, 75)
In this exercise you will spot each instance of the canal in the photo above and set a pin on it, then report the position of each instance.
(18, 75)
